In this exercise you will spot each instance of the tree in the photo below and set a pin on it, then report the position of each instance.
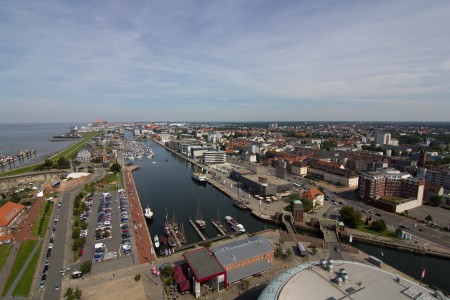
(307, 204)
(398, 232)
(137, 277)
(63, 163)
(294, 196)
(378, 226)
(288, 253)
(328, 145)
(115, 167)
(86, 267)
(278, 252)
(70, 294)
(429, 218)
(436, 200)
(350, 216)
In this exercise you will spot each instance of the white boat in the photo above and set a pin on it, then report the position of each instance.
(156, 241)
(235, 225)
(199, 177)
(148, 213)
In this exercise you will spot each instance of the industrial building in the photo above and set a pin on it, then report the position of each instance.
(218, 267)
(343, 280)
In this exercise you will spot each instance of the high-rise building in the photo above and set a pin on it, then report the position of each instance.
(383, 139)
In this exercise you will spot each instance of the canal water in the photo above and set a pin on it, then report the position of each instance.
(164, 183)
(436, 274)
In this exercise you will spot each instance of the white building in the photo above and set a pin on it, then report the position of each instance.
(213, 157)
(383, 139)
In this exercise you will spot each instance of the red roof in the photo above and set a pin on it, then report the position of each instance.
(184, 285)
(9, 211)
(312, 194)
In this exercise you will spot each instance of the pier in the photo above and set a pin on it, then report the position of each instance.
(217, 225)
(11, 160)
(174, 235)
(198, 230)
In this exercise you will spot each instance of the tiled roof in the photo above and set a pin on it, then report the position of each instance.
(9, 211)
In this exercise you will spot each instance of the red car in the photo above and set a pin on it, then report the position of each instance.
(81, 252)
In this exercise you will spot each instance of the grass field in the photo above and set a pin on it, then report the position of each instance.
(24, 252)
(42, 215)
(24, 285)
(388, 234)
(4, 252)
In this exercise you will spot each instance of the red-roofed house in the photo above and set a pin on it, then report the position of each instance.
(315, 195)
(11, 214)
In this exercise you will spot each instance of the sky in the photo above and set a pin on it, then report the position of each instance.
(243, 60)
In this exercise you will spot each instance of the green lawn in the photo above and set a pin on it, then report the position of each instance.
(45, 217)
(4, 252)
(388, 234)
(24, 285)
(21, 257)
(70, 151)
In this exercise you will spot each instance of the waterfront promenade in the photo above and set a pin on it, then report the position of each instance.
(142, 237)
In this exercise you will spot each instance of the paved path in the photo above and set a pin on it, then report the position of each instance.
(24, 267)
(8, 265)
(144, 245)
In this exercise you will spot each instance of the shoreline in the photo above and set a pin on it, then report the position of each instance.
(360, 236)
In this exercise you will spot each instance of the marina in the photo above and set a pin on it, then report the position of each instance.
(137, 150)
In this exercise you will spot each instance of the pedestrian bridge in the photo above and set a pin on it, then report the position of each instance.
(329, 229)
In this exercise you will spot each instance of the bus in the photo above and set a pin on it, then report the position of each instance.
(301, 249)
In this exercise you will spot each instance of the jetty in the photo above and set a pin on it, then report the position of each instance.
(222, 232)
(174, 235)
(198, 230)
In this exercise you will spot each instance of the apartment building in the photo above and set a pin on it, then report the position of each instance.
(436, 175)
(213, 157)
(391, 190)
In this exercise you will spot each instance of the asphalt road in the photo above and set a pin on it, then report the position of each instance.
(59, 243)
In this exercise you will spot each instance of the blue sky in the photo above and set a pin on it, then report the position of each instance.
(224, 60)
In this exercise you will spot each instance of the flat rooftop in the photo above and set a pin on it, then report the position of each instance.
(311, 281)
(203, 264)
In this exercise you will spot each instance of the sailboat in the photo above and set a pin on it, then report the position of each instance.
(199, 217)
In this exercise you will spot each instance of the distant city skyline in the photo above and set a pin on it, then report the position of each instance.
(237, 61)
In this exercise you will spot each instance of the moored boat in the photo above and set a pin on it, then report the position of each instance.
(148, 213)
(156, 241)
(199, 177)
(235, 225)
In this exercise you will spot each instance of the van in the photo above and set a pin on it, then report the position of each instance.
(77, 274)
(99, 246)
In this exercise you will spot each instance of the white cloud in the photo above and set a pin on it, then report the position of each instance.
(262, 59)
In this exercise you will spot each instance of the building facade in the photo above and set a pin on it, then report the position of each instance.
(213, 157)
(11, 214)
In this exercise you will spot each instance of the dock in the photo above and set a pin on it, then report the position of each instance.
(198, 230)
(174, 234)
(222, 232)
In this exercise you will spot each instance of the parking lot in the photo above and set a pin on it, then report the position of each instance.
(440, 216)
(108, 235)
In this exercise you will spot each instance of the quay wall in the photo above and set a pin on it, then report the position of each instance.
(359, 236)
(396, 244)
